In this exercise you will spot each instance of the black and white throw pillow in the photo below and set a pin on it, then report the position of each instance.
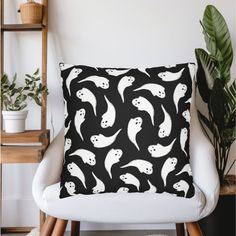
(127, 130)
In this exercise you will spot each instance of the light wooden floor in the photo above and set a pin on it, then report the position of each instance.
(117, 233)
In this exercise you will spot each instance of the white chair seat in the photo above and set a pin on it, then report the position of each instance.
(124, 208)
(131, 207)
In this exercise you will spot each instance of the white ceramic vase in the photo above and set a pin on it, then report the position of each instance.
(14, 121)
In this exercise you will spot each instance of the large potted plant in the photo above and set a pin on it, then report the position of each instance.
(14, 100)
(218, 91)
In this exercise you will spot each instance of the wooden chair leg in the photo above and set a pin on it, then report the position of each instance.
(75, 228)
(42, 218)
(194, 229)
(48, 226)
(180, 229)
(59, 228)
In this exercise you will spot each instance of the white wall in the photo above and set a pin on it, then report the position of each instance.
(101, 33)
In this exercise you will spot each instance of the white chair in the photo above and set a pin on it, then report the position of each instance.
(132, 207)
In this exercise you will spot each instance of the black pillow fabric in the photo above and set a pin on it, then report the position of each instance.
(127, 130)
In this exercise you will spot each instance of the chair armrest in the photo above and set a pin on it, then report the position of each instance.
(49, 169)
(202, 162)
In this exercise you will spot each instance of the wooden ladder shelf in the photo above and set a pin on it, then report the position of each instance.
(27, 147)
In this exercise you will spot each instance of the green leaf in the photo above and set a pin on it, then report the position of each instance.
(6, 101)
(228, 136)
(22, 106)
(211, 45)
(14, 78)
(26, 88)
(206, 127)
(37, 79)
(36, 72)
(12, 86)
(208, 124)
(217, 104)
(29, 76)
(14, 91)
(30, 94)
(37, 100)
(206, 73)
(27, 81)
(231, 92)
(4, 80)
(217, 31)
(230, 109)
(19, 89)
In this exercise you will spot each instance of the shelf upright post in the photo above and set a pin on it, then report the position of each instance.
(2, 39)
(44, 63)
(1, 73)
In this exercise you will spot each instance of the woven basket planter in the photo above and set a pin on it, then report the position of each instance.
(31, 12)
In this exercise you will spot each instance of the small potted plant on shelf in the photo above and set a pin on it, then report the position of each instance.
(14, 100)
(218, 91)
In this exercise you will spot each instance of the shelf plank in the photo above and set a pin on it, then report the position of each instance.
(22, 27)
(29, 136)
(22, 154)
(10, 230)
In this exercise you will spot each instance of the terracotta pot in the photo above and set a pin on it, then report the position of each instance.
(31, 12)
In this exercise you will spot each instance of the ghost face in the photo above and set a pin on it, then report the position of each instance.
(80, 94)
(162, 133)
(130, 79)
(161, 93)
(118, 153)
(61, 65)
(148, 170)
(162, 75)
(185, 131)
(136, 102)
(183, 88)
(138, 121)
(123, 177)
(70, 185)
(96, 190)
(152, 149)
(104, 123)
(105, 84)
(94, 139)
(81, 112)
(110, 71)
(70, 167)
(123, 190)
(68, 142)
(173, 161)
(76, 71)
(177, 186)
(91, 161)
(184, 114)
